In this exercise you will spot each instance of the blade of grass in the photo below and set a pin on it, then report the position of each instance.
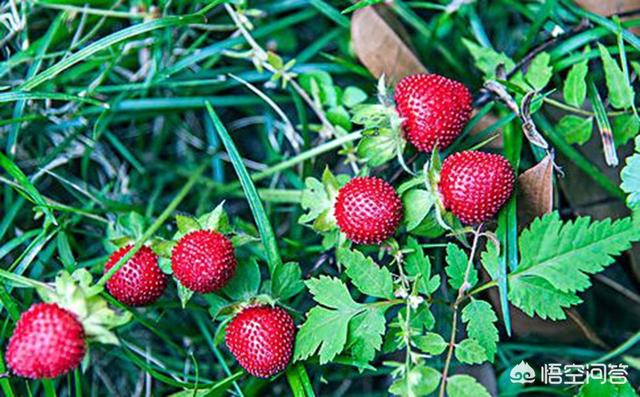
(27, 186)
(105, 43)
(21, 96)
(257, 209)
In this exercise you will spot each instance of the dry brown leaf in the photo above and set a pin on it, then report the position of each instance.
(535, 197)
(380, 48)
(609, 7)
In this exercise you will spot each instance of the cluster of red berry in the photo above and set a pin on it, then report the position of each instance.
(48, 340)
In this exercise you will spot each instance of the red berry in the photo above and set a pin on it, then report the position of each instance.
(48, 341)
(434, 109)
(138, 282)
(368, 210)
(203, 261)
(474, 185)
(261, 339)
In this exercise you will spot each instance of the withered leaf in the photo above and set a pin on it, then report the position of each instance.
(536, 191)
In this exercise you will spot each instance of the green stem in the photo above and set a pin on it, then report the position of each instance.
(156, 225)
(618, 350)
(302, 157)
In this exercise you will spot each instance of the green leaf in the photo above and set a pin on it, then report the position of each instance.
(365, 331)
(565, 253)
(379, 147)
(246, 282)
(465, 386)
(597, 388)
(339, 116)
(320, 85)
(487, 60)
(420, 381)
(417, 203)
(287, 281)
(539, 72)
(353, 96)
(480, 318)
(469, 351)
(366, 275)
(625, 128)
(457, 261)
(631, 178)
(489, 259)
(325, 330)
(187, 224)
(430, 343)
(331, 292)
(575, 129)
(162, 248)
(536, 296)
(575, 86)
(417, 265)
(372, 117)
(620, 92)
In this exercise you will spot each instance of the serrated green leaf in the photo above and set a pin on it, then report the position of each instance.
(575, 129)
(457, 261)
(465, 386)
(246, 282)
(331, 292)
(487, 60)
(353, 96)
(489, 259)
(365, 333)
(565, 253)
(372, 117)
(417, 203)
(620, 92)
(469, 351)
(365, 274)
(625, 128)
(430, 343)
(420, 381)
(325, 331)
(630, 175)
(539, 72)
(417, 265)
(287, 281)
(575, 86)
(480, 318)
(536, 296)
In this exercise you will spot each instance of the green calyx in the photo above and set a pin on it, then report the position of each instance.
(318, 199)
(77, 293)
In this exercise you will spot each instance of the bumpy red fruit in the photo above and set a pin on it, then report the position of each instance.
(138, 282)
(48, 341)
(475, 185)
(434, 109)
(203, 261)
(261, 339)
(368, 210)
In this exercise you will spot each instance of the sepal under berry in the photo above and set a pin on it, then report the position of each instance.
(318, 199)
(77, 293)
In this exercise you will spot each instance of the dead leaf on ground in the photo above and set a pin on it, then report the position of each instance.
(609, 7)
(535, 196)
(380, 47)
